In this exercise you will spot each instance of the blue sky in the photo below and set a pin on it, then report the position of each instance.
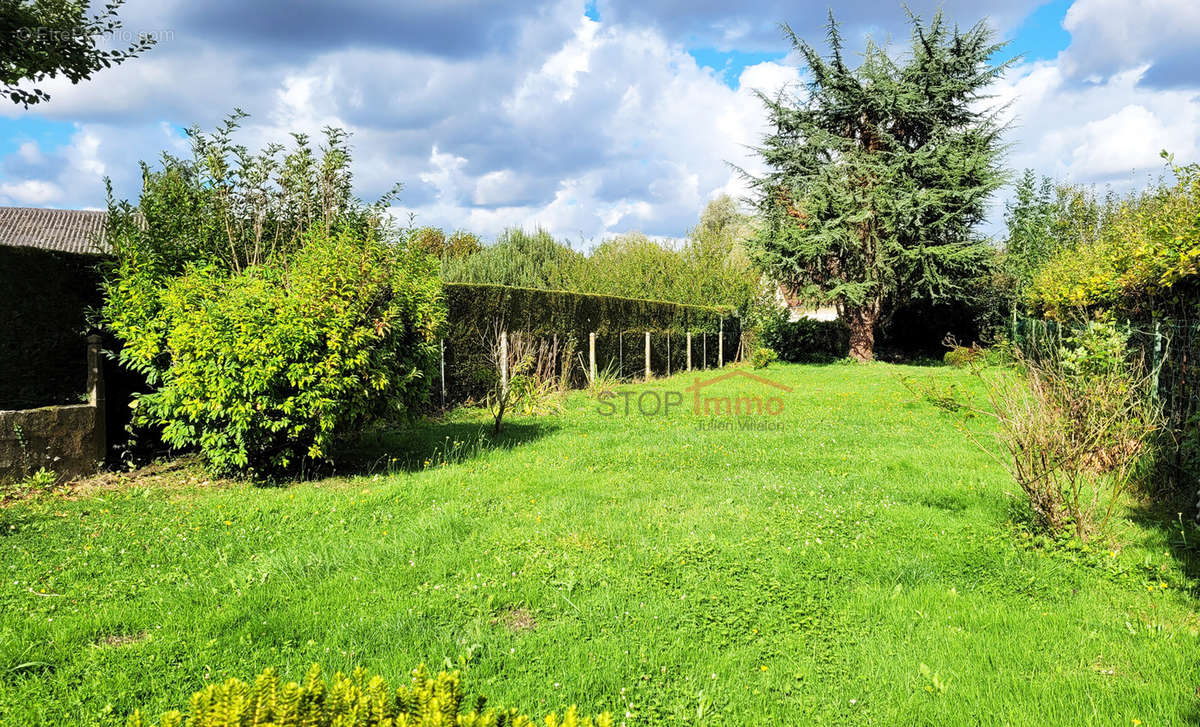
(592, 118)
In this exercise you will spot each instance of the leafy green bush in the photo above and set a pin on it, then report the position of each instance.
(763, 357)
(806, 340)
(263, 368)
(1143, 257)
(961, 356)
(357, 700)
(256, 295)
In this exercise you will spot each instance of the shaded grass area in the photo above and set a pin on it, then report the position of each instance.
(855, 564)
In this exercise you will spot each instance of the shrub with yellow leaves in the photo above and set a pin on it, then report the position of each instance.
(356, 699)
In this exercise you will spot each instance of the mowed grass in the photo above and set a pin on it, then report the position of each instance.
(855, 563)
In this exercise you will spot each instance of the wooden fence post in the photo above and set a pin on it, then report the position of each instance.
(689, 363)
(592, 357)
(721, 345)
(647, 355)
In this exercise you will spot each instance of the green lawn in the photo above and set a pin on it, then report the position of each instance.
(856, 564)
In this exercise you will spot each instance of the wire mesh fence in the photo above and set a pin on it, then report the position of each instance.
(466, 369)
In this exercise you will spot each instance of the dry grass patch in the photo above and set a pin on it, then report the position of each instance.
(517, 620)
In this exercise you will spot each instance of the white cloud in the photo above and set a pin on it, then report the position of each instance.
(31, 192)
(1106, 133)
(1109, 36)
(589, 129)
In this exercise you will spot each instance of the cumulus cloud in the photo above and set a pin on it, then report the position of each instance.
(1110, 132)
(31, 192)
(532, 114)
(1111, 36)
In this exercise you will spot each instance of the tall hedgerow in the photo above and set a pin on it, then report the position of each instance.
(1142, 255)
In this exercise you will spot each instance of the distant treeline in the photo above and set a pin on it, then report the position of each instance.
(710, 267)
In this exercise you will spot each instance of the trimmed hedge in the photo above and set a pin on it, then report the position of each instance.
(807, 340)
(555, 311)
(473, 310)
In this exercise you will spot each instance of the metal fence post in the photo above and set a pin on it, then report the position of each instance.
(689, 347)
(621, 355)
(442, 368)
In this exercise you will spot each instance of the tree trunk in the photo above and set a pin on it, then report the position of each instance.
(861, 322)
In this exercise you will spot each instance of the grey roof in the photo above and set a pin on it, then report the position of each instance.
(77, 231)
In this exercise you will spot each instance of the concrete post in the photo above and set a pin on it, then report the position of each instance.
(668, 353)
(503, 363)
(442, 354)
(721, 345)
(592, 357)
(647, 355)
(689, 339)
(96, 396)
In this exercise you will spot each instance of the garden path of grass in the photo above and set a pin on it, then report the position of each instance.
(856, 566)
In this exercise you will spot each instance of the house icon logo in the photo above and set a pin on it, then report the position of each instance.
(707, 403)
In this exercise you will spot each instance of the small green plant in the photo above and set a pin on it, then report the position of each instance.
(605, 382)
(962, 356)
(43, 479)
(40, 481)
(356, 699)
(933, 681)
(763, 357)
(453, 451)
(523, 376)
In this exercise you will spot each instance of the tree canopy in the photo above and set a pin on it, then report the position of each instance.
(878, 174)
(42, 39)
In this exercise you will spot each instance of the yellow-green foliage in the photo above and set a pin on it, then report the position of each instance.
(1143, 255)
(357, 700)
(763, 357)
(265, 367)
(961, 356)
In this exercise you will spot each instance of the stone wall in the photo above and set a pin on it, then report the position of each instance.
(69, 439)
